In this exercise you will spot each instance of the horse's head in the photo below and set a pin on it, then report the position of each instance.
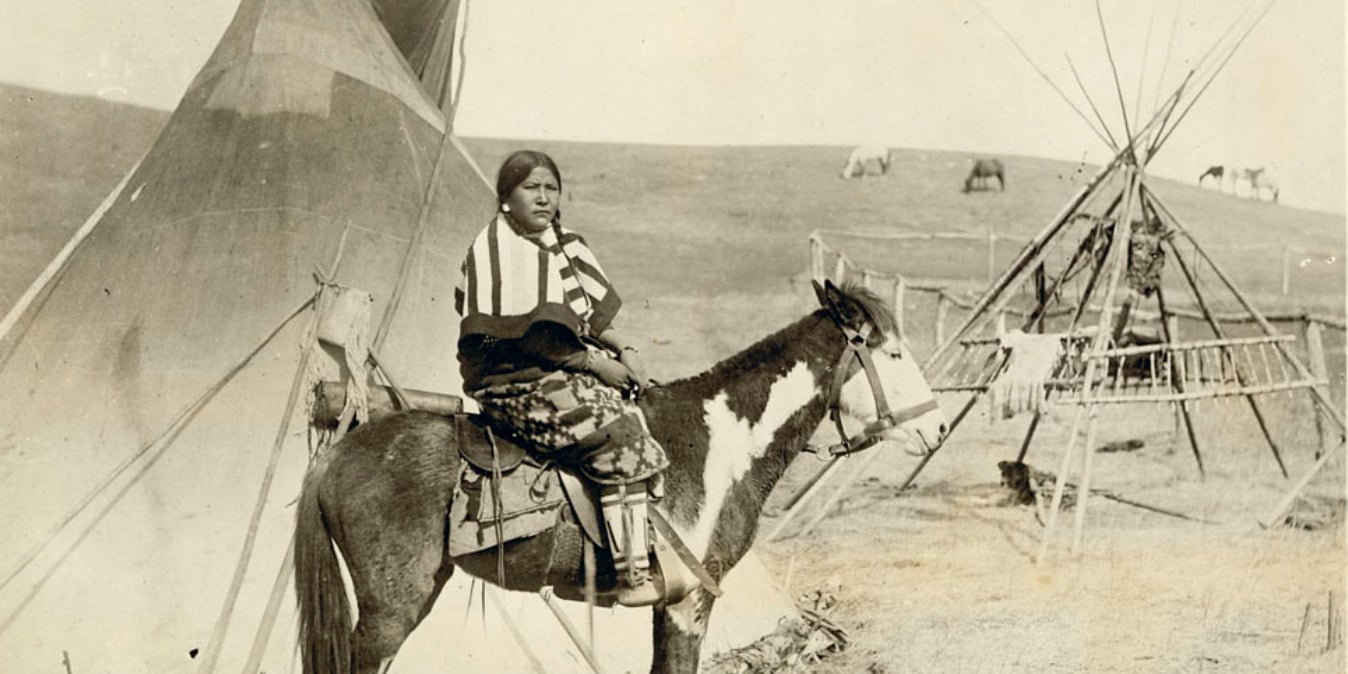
(877, 380)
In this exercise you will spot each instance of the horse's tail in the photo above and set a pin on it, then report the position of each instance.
(325, 614)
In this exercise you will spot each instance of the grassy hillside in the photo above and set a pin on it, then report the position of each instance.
(699, 221)
(59, 157)
(714, 220)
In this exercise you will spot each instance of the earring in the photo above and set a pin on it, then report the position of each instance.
(505, 208)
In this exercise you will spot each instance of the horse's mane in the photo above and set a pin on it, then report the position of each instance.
(876, 309)
(789, 338)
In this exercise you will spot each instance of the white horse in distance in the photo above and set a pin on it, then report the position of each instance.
(859, 161)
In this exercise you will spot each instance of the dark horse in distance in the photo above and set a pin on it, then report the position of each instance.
(982, 171)
(382, 493)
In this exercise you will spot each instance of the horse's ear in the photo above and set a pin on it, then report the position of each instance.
(820, 293)
(843, 308)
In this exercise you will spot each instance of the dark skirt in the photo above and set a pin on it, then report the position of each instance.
(579, 422)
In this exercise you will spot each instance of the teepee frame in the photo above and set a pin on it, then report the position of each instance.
(1093, 370)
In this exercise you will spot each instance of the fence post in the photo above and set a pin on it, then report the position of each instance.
(1315, 354)
(992, 254)
(942, 307)
(1286, 268)
(840, 269)
(816, 258)
(899, 287)
(867, 277)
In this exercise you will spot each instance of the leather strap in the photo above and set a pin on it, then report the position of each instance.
(690, 560)
(582, 504)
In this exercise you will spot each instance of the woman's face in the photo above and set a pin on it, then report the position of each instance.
(533, 203)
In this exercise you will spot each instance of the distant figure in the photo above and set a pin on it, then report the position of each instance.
(1215, 172)
(1261, 182)
(858, 162)
(982, 170)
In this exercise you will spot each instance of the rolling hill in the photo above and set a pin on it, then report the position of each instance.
(692, 220)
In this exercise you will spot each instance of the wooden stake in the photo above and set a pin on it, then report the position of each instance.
(513, 628)
(1315, 354)
(1333, 622)
(899, 287)
(571, 631)
(838, 493)
(1286, 501)
(942, 307)
(1305, 619)
(816, 483)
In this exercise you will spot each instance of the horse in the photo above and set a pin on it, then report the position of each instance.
(1216, 172)
(982, 170)
(381, 494)
(858, 161)
(1253, 183)
(1262, 182)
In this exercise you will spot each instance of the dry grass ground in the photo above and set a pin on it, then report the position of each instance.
(704, 242)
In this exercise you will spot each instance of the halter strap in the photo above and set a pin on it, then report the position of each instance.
(884, 419)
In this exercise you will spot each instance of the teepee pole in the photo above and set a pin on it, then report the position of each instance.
(1027, 254)
(58, 263)
(1240, 374)
(1058, 486)
(1177, 380)
(1116, 259)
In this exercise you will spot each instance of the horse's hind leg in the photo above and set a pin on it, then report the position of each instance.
(386, 620)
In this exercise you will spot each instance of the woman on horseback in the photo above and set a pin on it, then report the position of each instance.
(538, 352)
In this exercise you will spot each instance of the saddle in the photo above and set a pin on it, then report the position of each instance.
(533, 498)
(526, 486)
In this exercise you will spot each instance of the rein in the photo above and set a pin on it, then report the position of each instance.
(885, 419)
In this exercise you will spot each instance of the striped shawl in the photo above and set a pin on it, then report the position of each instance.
(508, 282)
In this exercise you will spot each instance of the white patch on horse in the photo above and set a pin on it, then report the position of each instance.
(735, 442)
(684, 615)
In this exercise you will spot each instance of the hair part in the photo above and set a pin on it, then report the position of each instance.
(518, 166)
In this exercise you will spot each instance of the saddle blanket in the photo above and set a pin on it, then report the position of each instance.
(531, 500)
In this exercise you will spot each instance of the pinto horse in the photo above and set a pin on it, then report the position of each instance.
(859, 160)
(382, 493)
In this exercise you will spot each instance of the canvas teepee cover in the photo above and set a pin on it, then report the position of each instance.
(144, 386)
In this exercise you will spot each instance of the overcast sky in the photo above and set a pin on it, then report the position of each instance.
(917, 73)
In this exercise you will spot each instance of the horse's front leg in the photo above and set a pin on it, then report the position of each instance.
(676, 643)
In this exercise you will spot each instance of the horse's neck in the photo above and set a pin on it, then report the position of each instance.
(732, 431)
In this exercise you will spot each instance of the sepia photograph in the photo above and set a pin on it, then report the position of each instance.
(936, 336)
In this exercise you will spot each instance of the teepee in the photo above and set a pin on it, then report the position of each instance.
(1115, 252)
(154, 380)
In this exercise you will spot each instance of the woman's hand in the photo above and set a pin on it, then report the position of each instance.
(612, 372)
(632, 359)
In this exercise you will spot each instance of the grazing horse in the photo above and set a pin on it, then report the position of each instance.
(382, 493)
(1216, 172)
(1261, 183)
(858, 162)
(982, 170)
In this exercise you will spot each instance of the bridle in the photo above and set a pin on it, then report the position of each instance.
(885, 419)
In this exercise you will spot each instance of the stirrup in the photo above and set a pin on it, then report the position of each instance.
(644, 593)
